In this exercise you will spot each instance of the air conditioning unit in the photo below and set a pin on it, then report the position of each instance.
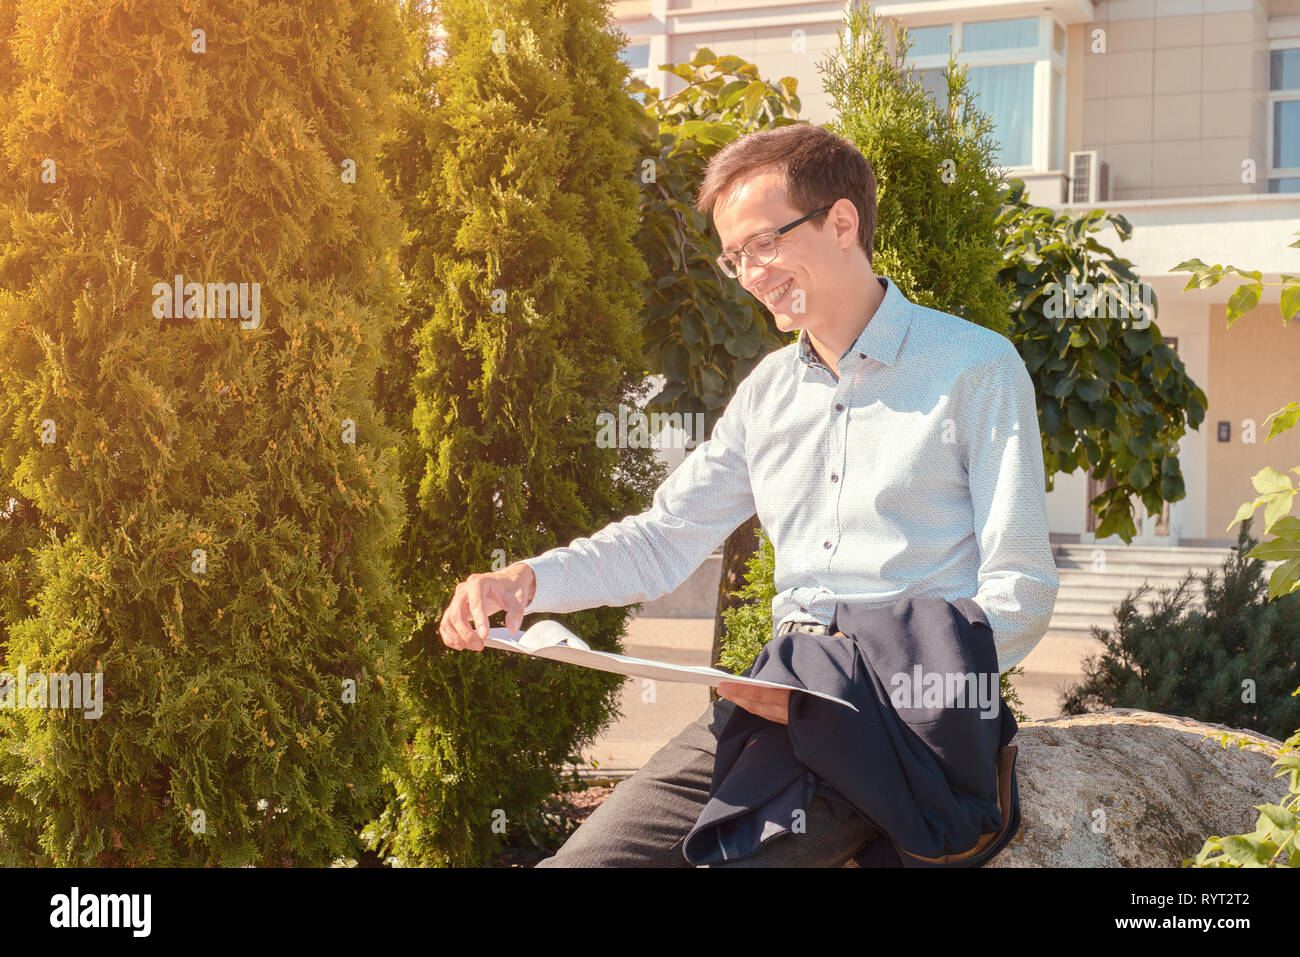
(1089, 178)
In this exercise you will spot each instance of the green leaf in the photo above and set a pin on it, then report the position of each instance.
(1243, 299)
(1284, 580)
(1270, 480)
(745, 345)
(1275, 550)
(675, 362)
(1283, 419)
(1106, 363)
(1138, 340)
(1290, 303)
(1080, 416)
(1279, 506)
(1243, 513)
(1090, 390)
(692, 327)
(1140, 475)
(1244, 850)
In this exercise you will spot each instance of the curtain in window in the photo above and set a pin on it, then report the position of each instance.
(1007, 94)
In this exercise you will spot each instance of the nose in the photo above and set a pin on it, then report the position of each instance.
(750, 275)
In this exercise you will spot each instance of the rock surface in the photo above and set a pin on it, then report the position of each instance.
(1128, 788)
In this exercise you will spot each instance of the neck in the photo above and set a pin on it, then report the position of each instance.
(844, 322)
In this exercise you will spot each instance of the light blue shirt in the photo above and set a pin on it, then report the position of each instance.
(918, 473)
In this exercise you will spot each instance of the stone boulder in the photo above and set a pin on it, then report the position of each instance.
(1154, 786)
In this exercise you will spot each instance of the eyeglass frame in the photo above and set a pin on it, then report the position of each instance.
(773, 235)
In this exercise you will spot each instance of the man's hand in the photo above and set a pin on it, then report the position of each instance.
(481, 596)
(770, 703)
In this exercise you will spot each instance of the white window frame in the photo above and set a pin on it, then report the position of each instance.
(1047, 129)
(1278, 96)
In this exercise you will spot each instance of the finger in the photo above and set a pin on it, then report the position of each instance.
(458, 618)
(476, 604)
(514, 612)
(449, 636)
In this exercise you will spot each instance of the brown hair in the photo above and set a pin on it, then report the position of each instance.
(818, 166)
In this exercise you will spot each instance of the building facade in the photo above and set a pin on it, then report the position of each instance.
(1181, 115)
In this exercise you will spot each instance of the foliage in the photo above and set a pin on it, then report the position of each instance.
(513, 166)
(936, 173)
(1232, 663)
(1278, 823)
(1111, 395)
(1277, 494)
(212, 539)
(1274, 840)
(749, 624)
(702, 331)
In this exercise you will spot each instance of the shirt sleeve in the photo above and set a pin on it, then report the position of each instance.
(1018, 580)
(646, 556)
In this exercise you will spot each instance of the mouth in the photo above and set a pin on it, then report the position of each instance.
(776, 296)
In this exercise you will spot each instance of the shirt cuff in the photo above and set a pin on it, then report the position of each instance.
(549, 571)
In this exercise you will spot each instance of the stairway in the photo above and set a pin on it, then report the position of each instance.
(1094, 579)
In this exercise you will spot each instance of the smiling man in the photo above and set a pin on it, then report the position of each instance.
(891, 452)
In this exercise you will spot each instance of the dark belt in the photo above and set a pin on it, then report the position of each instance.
(817, 628)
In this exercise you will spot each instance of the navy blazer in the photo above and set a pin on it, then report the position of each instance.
(926, 759)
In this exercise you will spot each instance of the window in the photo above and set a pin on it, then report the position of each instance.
(1016, 71)
(1284, 118)
(636, 56)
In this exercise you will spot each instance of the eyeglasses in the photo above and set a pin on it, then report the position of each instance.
(760, 250)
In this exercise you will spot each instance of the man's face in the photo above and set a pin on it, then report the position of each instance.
(787, 285)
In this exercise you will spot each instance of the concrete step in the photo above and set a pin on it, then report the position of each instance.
(1144, 553)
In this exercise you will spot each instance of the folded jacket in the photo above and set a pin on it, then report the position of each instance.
(926, 759)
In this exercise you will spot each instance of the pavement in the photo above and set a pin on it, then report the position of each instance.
(653, 714)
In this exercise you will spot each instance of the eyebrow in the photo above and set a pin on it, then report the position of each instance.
(768, 229)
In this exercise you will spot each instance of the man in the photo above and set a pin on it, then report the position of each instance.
(893, 451)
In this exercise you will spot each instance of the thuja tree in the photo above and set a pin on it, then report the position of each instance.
(197, 273)
(937, 175)
(19, 519)
(518, 176)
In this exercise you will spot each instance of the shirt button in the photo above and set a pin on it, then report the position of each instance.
(802, 608)
(834, 477)
(862, 355)
(839, 407)
(826, 544)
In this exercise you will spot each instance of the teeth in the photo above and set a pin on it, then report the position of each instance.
(772, 299)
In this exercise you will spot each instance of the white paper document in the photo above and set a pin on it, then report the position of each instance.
(554, 642)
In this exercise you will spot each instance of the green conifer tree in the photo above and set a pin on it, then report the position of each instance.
(217, 485)
(937, 177)
(1231, 660)
(517, 171)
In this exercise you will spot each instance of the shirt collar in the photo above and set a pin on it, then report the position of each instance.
(883, 335)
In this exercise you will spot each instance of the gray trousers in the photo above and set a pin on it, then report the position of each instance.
(646, 818)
